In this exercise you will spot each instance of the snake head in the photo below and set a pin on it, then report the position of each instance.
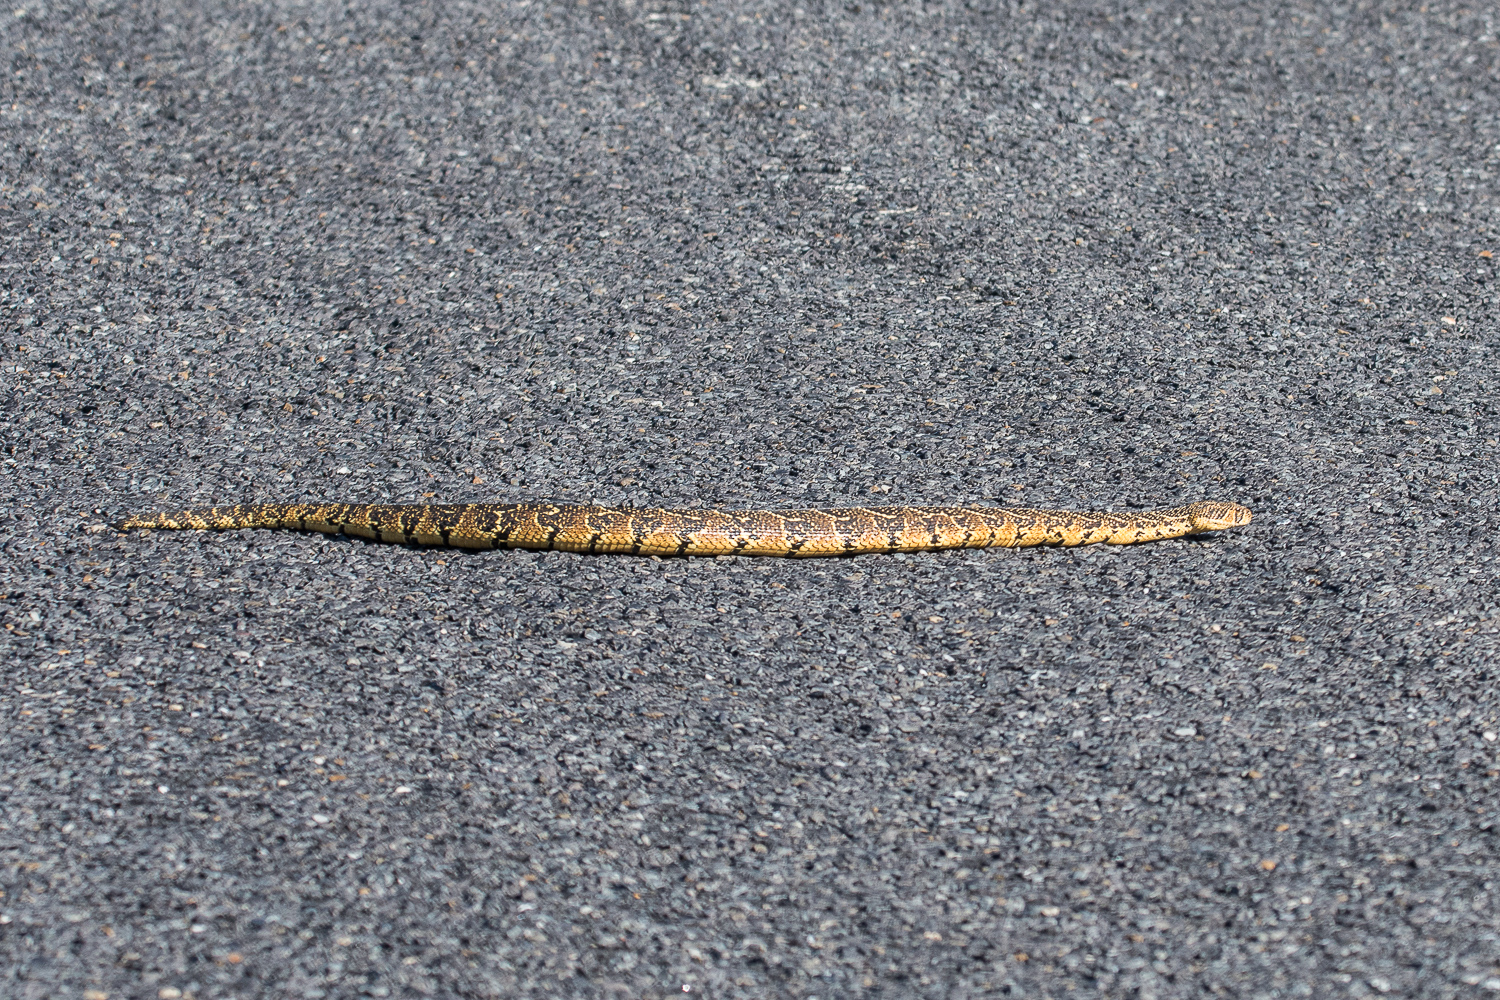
(1213, 515)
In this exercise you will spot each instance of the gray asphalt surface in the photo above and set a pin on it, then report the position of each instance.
(1083, 255)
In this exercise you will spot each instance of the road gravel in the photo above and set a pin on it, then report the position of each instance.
(1080, 254)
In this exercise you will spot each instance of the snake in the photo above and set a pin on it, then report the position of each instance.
(648, 531)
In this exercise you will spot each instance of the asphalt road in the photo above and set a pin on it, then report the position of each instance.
(1083, 255)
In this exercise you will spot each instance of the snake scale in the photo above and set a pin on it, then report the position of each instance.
(653, 531)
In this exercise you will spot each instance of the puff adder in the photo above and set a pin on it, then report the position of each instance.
(658, 532)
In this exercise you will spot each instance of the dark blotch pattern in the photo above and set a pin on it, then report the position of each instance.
(652, 531)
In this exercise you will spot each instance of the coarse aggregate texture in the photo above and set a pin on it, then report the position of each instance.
(1089, 255)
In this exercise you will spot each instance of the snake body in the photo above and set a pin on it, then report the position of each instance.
(653, 531)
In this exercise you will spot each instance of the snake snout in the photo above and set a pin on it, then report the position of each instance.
(1216, 516)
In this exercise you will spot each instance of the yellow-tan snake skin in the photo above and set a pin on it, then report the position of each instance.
(652, 531)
